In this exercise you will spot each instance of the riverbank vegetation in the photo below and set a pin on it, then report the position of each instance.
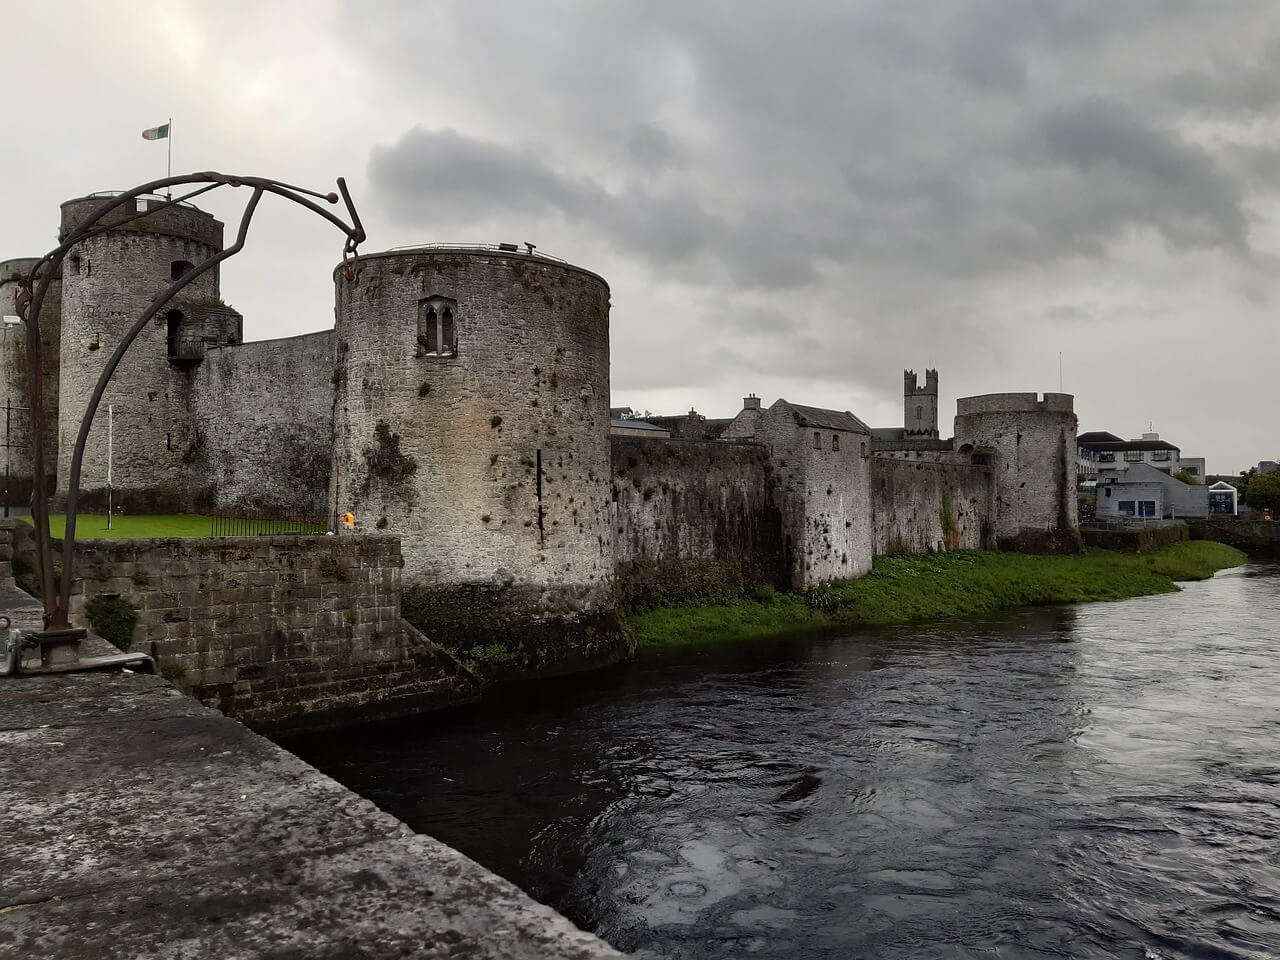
(934, 586)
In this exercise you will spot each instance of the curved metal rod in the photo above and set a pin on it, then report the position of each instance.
(32, 302)
(77, 457)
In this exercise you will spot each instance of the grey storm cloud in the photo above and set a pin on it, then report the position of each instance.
(843, 184)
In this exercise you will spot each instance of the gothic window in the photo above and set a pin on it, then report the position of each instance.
(437, 333)
(835, 441)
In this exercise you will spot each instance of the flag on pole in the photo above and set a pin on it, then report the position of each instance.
(157, 133)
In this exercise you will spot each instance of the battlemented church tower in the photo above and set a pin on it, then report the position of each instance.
(920, 405)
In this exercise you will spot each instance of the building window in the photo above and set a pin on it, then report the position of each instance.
(817, 440)
(919, 414)
(1106, 458)
(1146, 508)
(174, 322)
(863, 447)
(1160, 455)
(835, 441)
(1126, 507)
(437, 335)
(180, 268)
(1107, 491)
(1133, 456)
(1193, 470)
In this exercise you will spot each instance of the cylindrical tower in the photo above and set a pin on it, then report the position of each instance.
(15, 418)
(108, 281)
(471, 418)
(1032, 445)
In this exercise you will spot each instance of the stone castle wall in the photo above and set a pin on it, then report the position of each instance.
(108, 281)
(283, 633)
(921, 505)
(825, 498)
(693, 517)
(491, 460)
(264, 418)
(17, 424)
(1032, 440)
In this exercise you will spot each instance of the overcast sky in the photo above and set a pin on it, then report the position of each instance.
(794, 199)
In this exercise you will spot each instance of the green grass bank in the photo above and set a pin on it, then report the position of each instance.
(935, 586)
(93, 526)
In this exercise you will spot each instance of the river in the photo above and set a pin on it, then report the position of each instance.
(1089, 781)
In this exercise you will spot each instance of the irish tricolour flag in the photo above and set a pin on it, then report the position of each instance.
(156, 133)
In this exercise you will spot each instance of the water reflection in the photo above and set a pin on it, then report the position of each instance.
(1092, 781)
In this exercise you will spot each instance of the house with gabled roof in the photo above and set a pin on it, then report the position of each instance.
(821, 460)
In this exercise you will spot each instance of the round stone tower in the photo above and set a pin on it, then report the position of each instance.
(472, 419)
(1031, 443)
(15, 419)
(108, 281)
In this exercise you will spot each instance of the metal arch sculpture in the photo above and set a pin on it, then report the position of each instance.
(30, 300)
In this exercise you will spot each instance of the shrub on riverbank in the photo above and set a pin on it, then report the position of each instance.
(936, 586)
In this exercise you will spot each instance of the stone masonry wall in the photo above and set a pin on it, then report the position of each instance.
(1032, 440)
(491, 460)
(909, 500)
(14, 382)
(825, 498)
(264, 421)
(108, 281)
(283, 633)
(693, 517)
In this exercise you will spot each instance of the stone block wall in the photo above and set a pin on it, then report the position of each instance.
(693, 517)
(1031, 440)
(17, 424)
(487, 452)
(283, 633)
(911, 498)
(108, 281)
(264, 422)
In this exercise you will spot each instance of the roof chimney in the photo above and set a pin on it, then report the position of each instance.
(751, 402)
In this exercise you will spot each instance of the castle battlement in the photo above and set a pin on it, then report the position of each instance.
(1016, 403)
(181, 220)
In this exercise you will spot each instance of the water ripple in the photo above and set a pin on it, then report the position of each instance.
(1098, 781)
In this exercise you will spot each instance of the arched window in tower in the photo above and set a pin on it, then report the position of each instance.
(446, 332)
(437, 329)
(427, 331)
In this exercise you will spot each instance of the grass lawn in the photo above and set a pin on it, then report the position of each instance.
(934, 586)
(93, 526)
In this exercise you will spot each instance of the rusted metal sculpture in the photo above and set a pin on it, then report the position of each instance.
(31, 296)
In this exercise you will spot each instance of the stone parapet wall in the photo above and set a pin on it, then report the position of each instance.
(1015, 402)
(283, 633)
(180, 220)
(693, 517)
(264, 420)
(922, 506)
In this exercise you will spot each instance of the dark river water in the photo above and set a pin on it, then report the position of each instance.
(1093, 781)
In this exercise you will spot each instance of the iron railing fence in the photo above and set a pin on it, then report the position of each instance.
(264, 523)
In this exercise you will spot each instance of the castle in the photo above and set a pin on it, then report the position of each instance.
(461, 402)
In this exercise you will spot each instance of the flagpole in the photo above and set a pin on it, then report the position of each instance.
(169, 193)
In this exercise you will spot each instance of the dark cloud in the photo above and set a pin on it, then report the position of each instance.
(885, 178)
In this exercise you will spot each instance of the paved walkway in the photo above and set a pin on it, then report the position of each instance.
(138, 823)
